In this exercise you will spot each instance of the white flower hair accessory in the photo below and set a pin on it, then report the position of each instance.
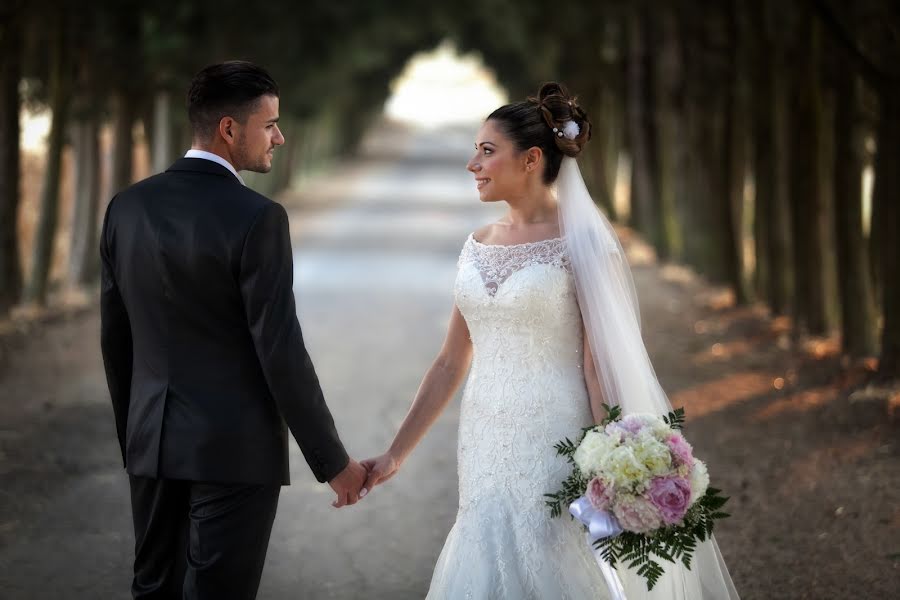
(570, 129)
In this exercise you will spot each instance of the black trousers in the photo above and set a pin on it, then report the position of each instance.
(200, 541)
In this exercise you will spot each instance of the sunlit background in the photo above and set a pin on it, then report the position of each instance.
(442, 87)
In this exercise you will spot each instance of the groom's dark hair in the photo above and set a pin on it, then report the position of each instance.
(229, 89)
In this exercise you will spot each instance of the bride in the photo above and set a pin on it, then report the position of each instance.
(546, 318)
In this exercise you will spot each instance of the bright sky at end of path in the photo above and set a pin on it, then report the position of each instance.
(442, 87)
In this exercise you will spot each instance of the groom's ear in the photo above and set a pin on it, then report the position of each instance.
(227, 127)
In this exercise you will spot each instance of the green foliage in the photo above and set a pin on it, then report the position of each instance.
(572, 489)
(575, 484)
(644, 552)
(613, 413)
(675, 419)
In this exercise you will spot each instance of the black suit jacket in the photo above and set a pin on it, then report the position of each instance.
(202, 348)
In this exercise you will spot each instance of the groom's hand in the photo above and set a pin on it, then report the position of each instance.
(348, 483)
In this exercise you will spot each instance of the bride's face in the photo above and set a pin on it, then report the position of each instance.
(499, 169)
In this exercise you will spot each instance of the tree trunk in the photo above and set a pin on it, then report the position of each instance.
(857, 300)
(593, 158)
(671, 164)
(83, 254)
(688, 192)
(45, 235)
(695, 195)
(712, 243)
(807, 216)
(124, 117)
(641, 132)
(613, 142)
(771, 227)
(887, 197)
(594, 172)
(781, 250)
(763, 152)
(825, 169)
(602, 154)
(162, 132)
(734, 159)
(10, 74)
(876, 227)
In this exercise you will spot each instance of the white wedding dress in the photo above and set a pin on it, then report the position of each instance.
(525, 392)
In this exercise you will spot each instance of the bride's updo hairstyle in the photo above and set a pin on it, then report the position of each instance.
(552, 121)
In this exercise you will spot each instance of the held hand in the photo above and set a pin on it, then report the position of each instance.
(348, 483)
(381, 468)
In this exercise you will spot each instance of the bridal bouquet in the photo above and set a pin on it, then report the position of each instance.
(639, 491)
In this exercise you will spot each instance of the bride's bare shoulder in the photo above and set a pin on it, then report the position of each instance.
(485, 233)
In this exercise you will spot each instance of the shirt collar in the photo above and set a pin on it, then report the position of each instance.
(194, 153)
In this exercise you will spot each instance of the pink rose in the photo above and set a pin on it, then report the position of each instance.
(599, 493)
(637, 514)
(681, 450)
(672, 496)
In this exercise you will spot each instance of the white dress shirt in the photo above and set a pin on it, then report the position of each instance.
(192, 153)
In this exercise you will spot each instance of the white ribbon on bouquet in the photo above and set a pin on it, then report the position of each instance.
(600, 525)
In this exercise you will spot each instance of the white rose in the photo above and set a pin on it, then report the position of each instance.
(651, 453)
(661, 430)
(699, 480)
(624, 469)
(592, 452)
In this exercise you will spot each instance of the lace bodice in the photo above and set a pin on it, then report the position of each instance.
(497, 263)
(522, 293)
(525, 392)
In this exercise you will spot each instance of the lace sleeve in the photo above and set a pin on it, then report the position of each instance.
(465, 255)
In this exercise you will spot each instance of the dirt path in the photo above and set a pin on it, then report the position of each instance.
(815, 482)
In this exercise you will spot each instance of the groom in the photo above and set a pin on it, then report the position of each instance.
(203, 352)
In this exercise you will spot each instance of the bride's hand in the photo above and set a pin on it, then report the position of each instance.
(381, 468)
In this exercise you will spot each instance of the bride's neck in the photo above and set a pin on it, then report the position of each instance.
(538, 206)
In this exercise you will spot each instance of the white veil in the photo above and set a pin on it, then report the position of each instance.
(611, 315)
